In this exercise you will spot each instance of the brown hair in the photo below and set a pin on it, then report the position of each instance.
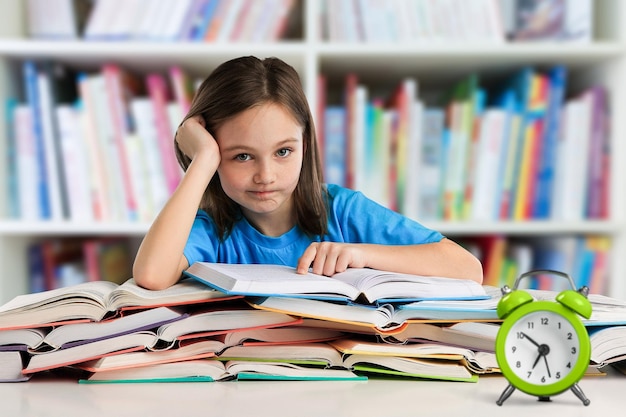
(238, 85)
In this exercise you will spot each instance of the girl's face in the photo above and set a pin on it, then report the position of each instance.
(262, 150)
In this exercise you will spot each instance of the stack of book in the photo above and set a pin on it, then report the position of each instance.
(240, 322)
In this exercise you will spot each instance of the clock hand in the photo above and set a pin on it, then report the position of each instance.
(547, 367)
(537, 360)
(530, 339)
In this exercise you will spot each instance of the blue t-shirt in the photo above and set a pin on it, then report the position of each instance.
(352, 218)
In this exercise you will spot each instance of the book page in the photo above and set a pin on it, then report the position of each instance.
(266, 279)
(97, 291)
(130, 294)
(377, 285)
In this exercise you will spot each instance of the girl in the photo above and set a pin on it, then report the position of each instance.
(250, 156)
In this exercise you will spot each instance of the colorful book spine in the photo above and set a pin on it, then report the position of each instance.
(29, 73)
(158, 93)
(335, 145)
(596, 198)
(117, 84)
(547, 159)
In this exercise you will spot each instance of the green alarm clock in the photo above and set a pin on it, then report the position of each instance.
(542, 347)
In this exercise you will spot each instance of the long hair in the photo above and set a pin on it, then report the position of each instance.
(238, 85)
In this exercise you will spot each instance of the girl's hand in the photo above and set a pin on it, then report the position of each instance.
(193, 138)
(329, 258)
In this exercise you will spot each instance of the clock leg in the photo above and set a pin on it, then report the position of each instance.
(579, 393)
(505, 394)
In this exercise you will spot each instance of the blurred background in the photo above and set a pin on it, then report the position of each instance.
(492, 121)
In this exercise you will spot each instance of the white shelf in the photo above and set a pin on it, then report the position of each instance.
(68, 228)
(456, 229)
(526, 228)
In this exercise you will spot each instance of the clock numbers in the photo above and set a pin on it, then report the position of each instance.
(542, 348)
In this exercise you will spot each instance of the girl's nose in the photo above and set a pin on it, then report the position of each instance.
(264, 174)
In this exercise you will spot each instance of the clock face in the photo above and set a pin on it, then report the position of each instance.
(543, 348)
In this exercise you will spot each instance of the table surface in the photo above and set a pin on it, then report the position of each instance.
(54, 396)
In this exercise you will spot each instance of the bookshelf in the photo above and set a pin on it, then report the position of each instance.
(434, 64)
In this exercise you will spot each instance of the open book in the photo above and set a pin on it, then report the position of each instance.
(477, 362)
(385, 318)
(409, 368)
(218, 322)
(213, 370)
(186, 352)
(608, 345)
(74, 334)
(166, 336)
(312, 354)
(92, 301)
(115, 345)
(466, 334)
(331, 355)
(22, 339)
(605, 311)
(371, 284)
(206, 348)
(11, 364)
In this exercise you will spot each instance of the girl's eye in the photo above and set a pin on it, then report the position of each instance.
(283, 152)
(242, 157)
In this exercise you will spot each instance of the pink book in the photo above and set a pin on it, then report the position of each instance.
(121, 87)
(158, 93)
(182, 88)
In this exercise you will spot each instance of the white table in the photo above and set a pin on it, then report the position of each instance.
(44, 396)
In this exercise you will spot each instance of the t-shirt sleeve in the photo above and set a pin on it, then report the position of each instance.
(362, 220)
(203, 244)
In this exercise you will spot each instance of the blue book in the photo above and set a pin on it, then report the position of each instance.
(542, 202)
(29, 74)
(197, 32)
(431, 165)
(334, 151)
(12, 173)
(508, 102)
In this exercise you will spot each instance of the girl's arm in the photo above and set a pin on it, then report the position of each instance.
(160, 261)
(445, 258)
